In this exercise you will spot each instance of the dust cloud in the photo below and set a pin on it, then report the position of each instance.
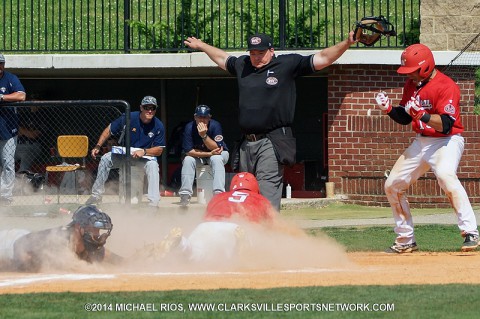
(138, 233)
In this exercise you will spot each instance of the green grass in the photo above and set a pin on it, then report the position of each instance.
(347, 211)
(378, 238)
(409, 301)
(414, 301)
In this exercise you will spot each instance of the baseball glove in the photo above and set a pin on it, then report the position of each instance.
(369, 30)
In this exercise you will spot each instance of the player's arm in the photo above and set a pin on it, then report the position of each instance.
(199, 153)
(215, 54)
(101, 140)
(112, 258)
(329, 55)
(14, 97)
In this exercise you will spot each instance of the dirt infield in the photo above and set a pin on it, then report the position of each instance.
(365, 269)
(286, 260)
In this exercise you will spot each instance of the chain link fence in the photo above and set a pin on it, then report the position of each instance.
(40, 124)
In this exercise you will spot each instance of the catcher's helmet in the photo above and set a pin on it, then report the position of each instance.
(92, 219)
(245, 181)
(417, 57)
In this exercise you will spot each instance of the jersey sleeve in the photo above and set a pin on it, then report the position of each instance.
(215, 133)
(117, 125)
(300, 64)
(159, 139)
(448, 102)
(15, 84)
(187, 144)
(230, 65)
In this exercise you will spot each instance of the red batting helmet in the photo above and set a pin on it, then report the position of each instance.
(417, 57)
(244, 181)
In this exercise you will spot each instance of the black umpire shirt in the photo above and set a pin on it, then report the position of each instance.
(268, 95)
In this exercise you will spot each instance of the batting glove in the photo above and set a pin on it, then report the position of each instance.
(414, 108)
(383, 102)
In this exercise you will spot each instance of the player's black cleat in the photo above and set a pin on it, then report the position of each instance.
(184, 200)
(470, 243)
(93, 200)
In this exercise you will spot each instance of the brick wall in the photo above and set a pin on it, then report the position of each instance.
(363, 144)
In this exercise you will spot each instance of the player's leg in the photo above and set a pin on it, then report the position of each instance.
(408, 168)
(217, 162)
(259, 158)
(153, 179)
(107, 162)
(189, 164)
(8, 172)
(7, 241)
(215, 243)
(445, 158)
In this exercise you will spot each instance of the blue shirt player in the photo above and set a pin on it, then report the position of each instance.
(11, 90)
(147, 139)
(203, 144)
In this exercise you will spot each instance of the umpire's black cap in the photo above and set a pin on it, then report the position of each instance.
(259, 41)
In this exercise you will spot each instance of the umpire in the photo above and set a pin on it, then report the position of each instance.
(267, 94)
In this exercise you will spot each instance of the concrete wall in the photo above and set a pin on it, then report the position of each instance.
(449, 25)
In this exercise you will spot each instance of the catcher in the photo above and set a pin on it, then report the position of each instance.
(83, 238)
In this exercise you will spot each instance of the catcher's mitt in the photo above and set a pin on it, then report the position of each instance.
(376, 25)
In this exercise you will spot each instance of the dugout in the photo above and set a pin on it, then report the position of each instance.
(179, 96)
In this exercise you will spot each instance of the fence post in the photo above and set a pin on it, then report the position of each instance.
(281, 23)
(126, 27)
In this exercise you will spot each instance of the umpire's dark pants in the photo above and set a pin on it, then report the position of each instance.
(259, 159)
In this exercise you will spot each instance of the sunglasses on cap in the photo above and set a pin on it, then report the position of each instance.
(149, 107)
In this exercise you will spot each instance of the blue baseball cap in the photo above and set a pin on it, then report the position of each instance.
(202, 110)
(149, 100)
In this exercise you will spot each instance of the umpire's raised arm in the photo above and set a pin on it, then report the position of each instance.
(215, 54)
(329, 55)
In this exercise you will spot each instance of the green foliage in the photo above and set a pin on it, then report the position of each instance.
(412, 36)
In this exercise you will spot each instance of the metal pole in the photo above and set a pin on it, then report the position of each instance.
(126, 27)
(282, 21)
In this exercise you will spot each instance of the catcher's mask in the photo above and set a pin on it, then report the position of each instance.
(369, 30)
(245, 181)
(96, 224)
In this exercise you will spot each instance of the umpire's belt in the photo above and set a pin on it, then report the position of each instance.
(255, 137)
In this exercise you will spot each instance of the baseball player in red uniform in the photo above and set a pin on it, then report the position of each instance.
(431, 103)
(220, 237)
(243, 199)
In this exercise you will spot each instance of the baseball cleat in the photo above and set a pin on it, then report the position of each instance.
(397, 248)
(470, 243)
(184, 200)
(93, 200)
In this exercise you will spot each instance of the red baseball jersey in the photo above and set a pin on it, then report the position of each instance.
(254, 207)
(440, 95)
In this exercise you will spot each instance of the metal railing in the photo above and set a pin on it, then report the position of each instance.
(116, 26)
(40, 123)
